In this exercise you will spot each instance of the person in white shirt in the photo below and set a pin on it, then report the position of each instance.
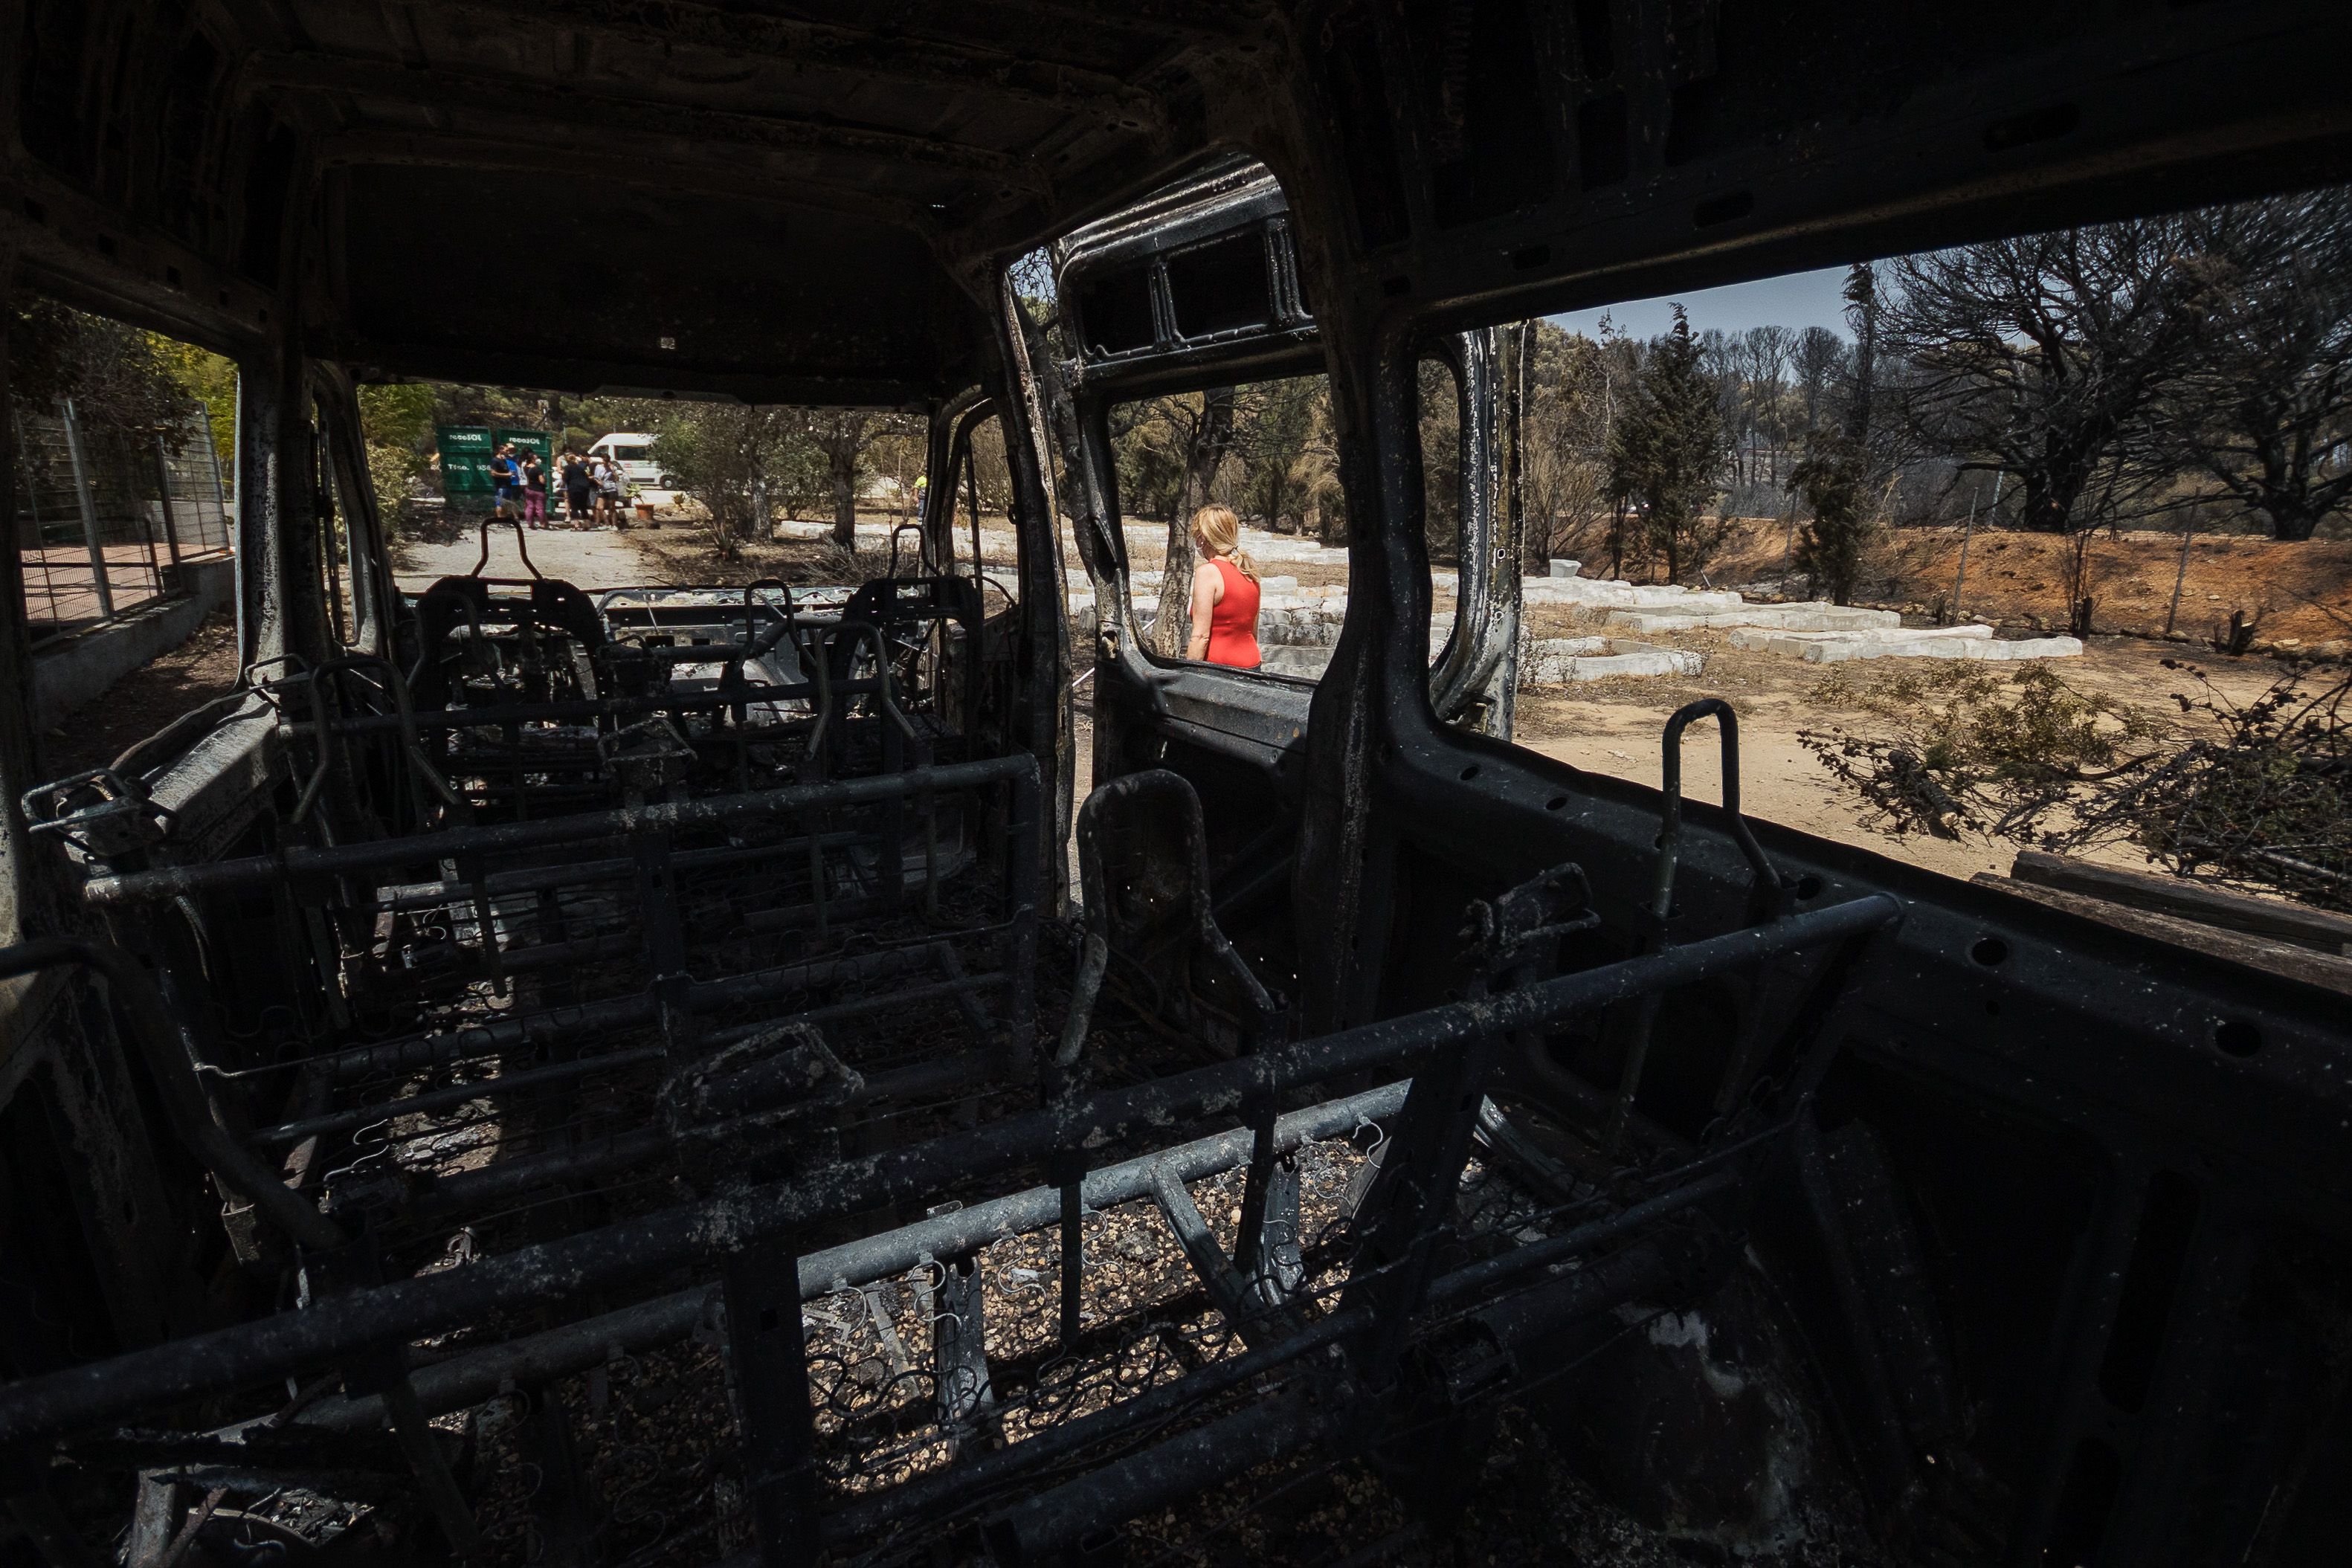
(607, 476)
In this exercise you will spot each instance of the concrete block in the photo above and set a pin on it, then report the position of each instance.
(2028, 648)
(1782, 617)
(1794, 641)
(1603, 595)
(1832, 649)
(1292, 661)
(1564, 569)
(1567, 647)
(1559, 661)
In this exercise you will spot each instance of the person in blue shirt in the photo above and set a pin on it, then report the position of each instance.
(506, 475)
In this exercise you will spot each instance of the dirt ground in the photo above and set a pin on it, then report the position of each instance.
(1614, 727)
(604, 558)
(2299, 595)
(144, 701)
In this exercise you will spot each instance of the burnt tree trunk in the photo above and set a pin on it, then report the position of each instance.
(842, 468)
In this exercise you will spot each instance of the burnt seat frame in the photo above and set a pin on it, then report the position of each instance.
(2153, 1092)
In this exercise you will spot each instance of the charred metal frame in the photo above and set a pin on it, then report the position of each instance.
(2139, 1147)
(742, 1230)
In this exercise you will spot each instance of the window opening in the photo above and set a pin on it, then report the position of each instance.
(1263, 451)
(1117, 309)
(119, 478)
(1222, 287)
(984, 493)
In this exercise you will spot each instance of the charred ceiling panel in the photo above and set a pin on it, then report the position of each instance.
(1360, 92)
(185, 123)
(268, 181)
(1730, 62)
(1700, 142)
(573, 283)
(1490, 148)
(51, 104)
(957, 114)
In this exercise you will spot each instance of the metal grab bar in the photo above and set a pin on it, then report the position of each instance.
(1670, 829)
(521, 547)
(1768, 894)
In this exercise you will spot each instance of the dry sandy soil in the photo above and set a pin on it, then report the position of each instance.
(2297, 594)
(1614, 727)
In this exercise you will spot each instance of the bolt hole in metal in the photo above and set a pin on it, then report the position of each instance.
(1469, 773)
(1989, 951)
(1807, 886)
(1557, 803)
(2236, 1036)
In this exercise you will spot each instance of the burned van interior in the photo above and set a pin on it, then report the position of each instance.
(692, 1075)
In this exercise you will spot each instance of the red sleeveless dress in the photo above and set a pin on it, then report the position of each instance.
(1232, 623)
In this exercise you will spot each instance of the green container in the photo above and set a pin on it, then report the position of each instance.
(465, 454)
(467, 450)
(538, 441)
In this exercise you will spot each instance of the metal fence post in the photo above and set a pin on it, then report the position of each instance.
(163, 499)
(220, 485)
(88, 514)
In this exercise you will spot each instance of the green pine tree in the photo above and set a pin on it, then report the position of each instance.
(1830, 477)
(1666, 452)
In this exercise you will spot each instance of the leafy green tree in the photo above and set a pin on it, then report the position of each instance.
(399, 415)
(210, 379)
(117, 377)
(1273, 429)
(1148, 440)
(740, 464)
(396, 430)
(844, 436)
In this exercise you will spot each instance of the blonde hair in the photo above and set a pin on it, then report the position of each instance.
(1222, 532)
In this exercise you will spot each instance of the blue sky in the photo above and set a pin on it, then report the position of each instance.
(1798, 299)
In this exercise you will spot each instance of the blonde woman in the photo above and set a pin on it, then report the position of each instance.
(1224, 592)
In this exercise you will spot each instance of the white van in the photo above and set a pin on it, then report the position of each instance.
(635, 453)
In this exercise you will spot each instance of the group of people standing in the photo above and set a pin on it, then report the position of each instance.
(595, 488)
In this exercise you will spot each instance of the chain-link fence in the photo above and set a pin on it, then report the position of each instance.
(106, 513)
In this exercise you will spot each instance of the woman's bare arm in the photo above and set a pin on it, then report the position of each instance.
(1208, 586)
